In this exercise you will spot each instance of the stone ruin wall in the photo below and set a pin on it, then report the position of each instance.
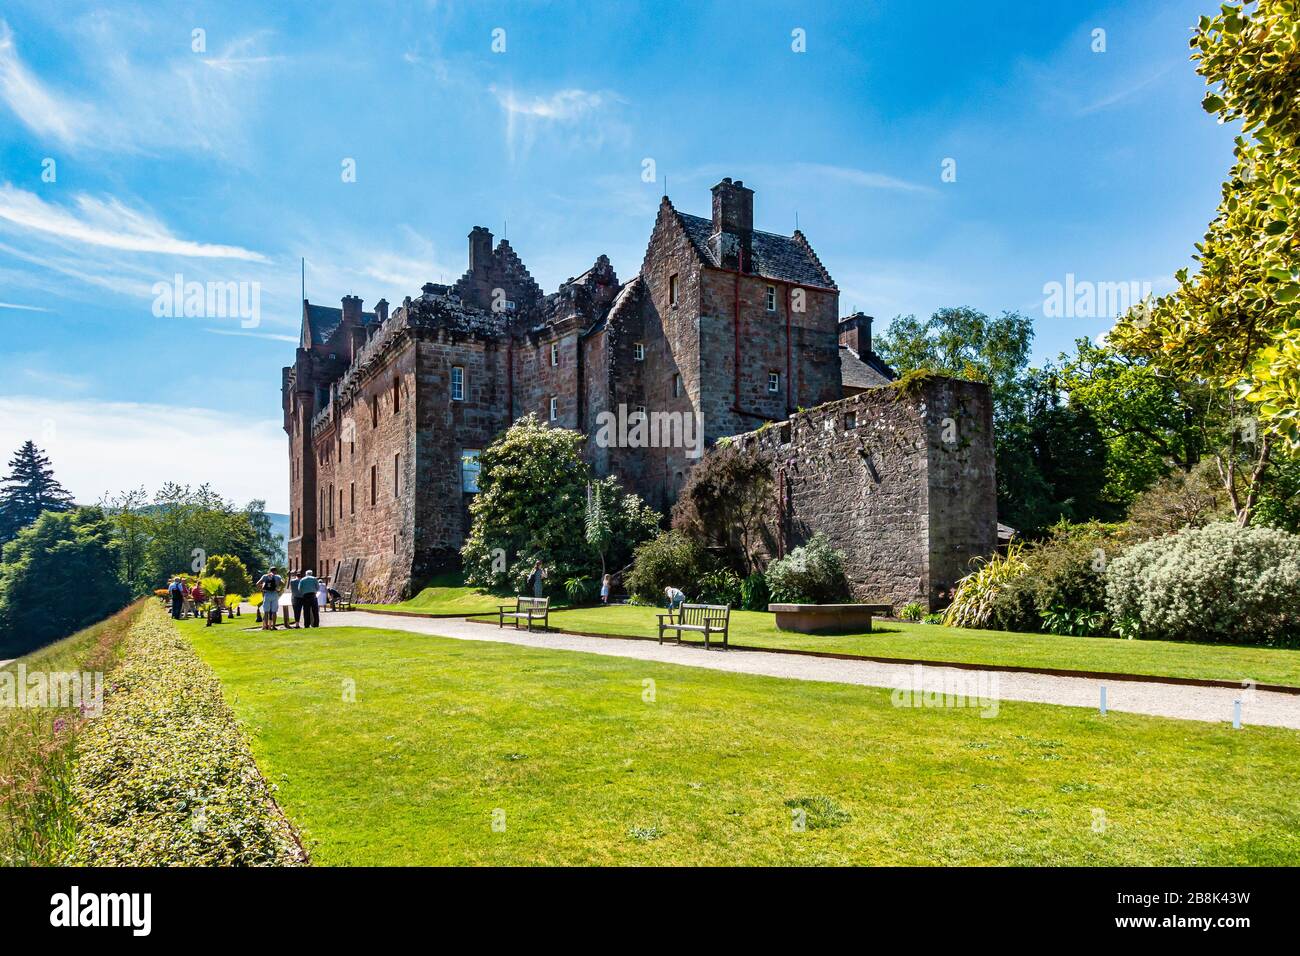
(899, 479)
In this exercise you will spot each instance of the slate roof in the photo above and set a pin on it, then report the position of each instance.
(322, 320)
(858, 371)
(784, 258)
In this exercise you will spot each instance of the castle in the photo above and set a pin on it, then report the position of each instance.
(724, 329)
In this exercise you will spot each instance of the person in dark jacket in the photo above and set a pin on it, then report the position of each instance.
(176, 591)
(295, 597)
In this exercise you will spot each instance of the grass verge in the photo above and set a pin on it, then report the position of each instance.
(932, 642)
(38, 744)
(396, 748)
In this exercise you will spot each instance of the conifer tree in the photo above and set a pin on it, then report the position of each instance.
(29, 490)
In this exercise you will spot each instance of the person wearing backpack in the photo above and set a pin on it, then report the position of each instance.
(270, 584)
(176, 591)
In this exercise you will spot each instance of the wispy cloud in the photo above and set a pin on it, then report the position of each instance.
(39, 110)
(194, 102)
(24, 308)
(527, 114)
(1128, 90)
(861, 177)
(274, 337)
(108, 223)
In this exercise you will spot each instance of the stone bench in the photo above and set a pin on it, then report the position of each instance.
(827, 618)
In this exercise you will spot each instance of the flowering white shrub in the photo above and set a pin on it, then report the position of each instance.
(1218, 583)
(811, 574)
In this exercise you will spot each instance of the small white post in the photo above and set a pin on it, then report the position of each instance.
(1236, 714)
(1103, 700)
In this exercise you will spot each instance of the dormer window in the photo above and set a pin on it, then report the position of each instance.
(771, 298)
(672, 290)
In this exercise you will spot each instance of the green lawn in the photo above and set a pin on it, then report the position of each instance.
(446, 595)
(934, 642)
(568, 752)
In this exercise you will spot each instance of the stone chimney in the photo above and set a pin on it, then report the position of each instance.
(352, 310)
(732, 241)
(381, 311)
(855, 332)
(480, 249)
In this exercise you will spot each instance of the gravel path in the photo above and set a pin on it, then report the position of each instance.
(1212, 704)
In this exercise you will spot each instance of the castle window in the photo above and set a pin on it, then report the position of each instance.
(331, 506)
(352, 497)
(457, 384)
(374, 413)
(771, 298)
(640, 412)
(850, 420)
(774, 381)
(374, 484)
(638, 351)
(555, 408)
(672, 290)
(397, 474)
(555, 355)
(397, 401)
(677, 386)
(340, 504)
(469, 469)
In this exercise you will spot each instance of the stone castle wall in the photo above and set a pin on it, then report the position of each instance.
(900, 480)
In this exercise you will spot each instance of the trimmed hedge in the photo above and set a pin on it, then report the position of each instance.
(165, 777)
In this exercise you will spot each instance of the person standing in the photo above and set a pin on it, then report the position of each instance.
(536, 579)
(270, 584)
(604, 589)
(295, 597)
(308, 587)
(176, 590)
(323, 594)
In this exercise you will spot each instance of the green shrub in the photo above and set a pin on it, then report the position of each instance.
(234, 577)
(911, 612)
(811, 574)
(671, 559)
(580, 589)
(1219, 583)
(164, 775)
(936, 618)
(754, 595)
(976, 595)
(722, 586)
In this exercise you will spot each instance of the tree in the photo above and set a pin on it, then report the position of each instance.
(58, 576)
(30, 489)
(532, 506)
(964, 343)
(1234, 324)
(1152, 422)
(727, 503)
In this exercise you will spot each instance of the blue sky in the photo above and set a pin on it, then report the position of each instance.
(226, 164)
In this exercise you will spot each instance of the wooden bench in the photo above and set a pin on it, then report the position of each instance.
(706, 619)
(346, 594)
(527, 609)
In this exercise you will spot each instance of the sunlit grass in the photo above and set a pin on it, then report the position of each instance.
(397, 748)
